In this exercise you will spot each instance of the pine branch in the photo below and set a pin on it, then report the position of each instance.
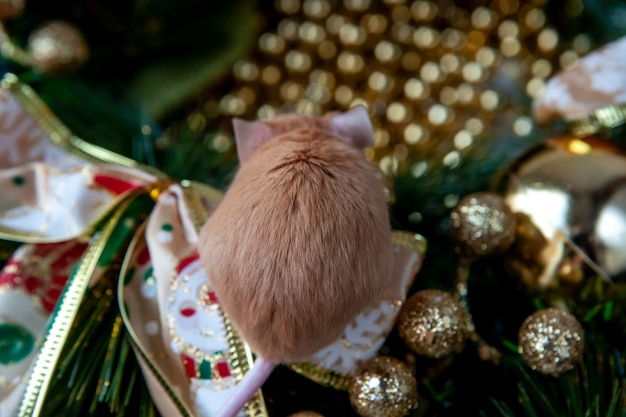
(596, 387)
(98, 374)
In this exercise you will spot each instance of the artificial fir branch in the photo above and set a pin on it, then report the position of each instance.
(596, 387)
(98, 374)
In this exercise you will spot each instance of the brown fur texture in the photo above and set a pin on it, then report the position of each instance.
(301, 242)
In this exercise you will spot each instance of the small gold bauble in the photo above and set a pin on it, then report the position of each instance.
(57, 48)
(551, 341)
(383, 387)
(433, 324)
(10, 9)
(306, 413)
(482, 224)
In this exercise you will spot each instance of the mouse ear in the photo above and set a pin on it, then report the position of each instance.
(354, 126)
(249, 136)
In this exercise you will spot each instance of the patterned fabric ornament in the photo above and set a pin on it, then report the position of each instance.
(31, 283)
(199, 354)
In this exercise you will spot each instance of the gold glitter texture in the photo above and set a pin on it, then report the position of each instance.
(383, 387)
(482, 224)
(433, 324)
(551, 341)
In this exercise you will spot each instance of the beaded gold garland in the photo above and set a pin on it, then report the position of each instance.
(432, 74)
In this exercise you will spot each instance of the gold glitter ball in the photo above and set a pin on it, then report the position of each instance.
(57, 48)
(383, 387)
(551, 341)
(433, 324)
(482, 224)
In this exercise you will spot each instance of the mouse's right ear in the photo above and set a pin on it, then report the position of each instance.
(249, 136)
(354, 126)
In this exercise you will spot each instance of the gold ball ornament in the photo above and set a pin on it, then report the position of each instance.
(383, 387)
(306, 413)
(57, 48)
(433, 324)
(482, 225)
(551, 341)
(10, 9)
(573, 190)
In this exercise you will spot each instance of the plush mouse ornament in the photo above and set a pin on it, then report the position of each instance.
(301, 242)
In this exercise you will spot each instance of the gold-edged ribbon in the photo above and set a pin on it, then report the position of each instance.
(59, 144)
(63, 317)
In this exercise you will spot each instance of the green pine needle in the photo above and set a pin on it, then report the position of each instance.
(97, 376)
(596, 387)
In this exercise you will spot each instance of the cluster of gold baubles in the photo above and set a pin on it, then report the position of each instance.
(542, 217)
(436, 324)
(557, 216)
(54, 48)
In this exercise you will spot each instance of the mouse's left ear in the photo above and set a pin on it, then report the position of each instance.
(354, 126)
(249, 136)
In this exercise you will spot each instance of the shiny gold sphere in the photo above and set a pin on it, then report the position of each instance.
(482, 225)
(551, 341)
(573, 191)
(383, 387)
(57, 48)
(433, 324)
